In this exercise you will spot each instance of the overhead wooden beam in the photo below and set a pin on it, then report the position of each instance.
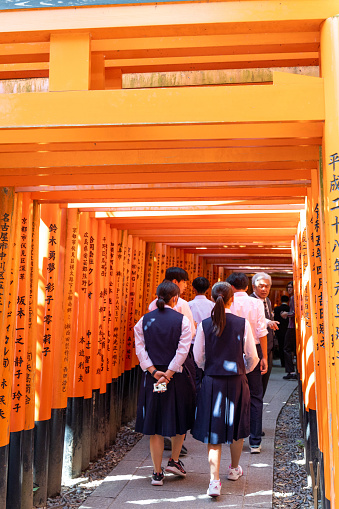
(154, 145)
(235, 131)
(204, 44)
(226, 236)
(49, 178)
(162, 19)
(202, 62)
(64, 195)
(152, 46)
(43, 159)
(290, 98)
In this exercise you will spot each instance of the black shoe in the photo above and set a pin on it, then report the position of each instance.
(176, 467)
(290, 376)
(158, 478)
(183, 451)
(263, 433)
(167, 444)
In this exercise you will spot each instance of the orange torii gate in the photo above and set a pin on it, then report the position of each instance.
(153, 169)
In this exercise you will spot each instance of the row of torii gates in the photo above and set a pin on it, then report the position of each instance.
(132, 136)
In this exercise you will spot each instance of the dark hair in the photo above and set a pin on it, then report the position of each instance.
(239, 280)
(221, 293)
(165, 291)
(201, 284)
(284, 298)
(290, 283)
(176, 273)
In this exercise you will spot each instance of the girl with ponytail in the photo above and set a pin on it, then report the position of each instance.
(224, 348)
(162, 342)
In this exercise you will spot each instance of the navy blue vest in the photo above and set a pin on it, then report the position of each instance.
(162, 331)
(224, 354)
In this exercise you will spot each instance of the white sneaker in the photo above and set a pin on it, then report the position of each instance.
(255, 449)
(214, 488)
(234, 473)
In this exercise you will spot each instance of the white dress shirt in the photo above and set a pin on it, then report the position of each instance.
(183, 308)
(201, 308)
(181, 352)
(251, 358)
(253, 310)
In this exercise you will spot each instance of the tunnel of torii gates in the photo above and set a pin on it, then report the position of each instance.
(137, 137)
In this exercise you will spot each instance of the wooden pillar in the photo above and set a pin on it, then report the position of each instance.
(330, 73)
(317, 272)
(98, 72)
(70, 63)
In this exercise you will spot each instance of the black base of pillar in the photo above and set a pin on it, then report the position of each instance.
(327, 504)
(56, 451)
(27, 477)
(14, 483)
(72, 458)
(3, 475)
(86, 434)
(107, 416)
(113, 410)
(41, 457)
(94, 425)
(101, 423)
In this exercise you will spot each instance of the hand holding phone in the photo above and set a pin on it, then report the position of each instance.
(160, 387)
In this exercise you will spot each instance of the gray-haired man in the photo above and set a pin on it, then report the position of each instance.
(261, 283)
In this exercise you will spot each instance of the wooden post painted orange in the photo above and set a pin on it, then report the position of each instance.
(307, 333)
(97, 71)
(317, 257)
(101, 270)
(141, 254)
(157, 264)
(69, 67)
(103, 302)
(128, 246)
(33, 318)
(85, 314)
(48, 294)
(113, 78)
(7, 216)
(21, 313)
(119, 277)
(114, 303)
(64, 373)
(330, 74)
(109, 315)
(132, 299)
(92, 333)
(297, 278)
(149, 293)
(8, 272)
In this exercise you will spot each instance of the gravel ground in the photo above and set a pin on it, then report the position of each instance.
(290, 489)
(290, 480)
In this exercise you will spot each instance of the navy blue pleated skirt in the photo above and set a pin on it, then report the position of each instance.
(168, 413)
(223, 410)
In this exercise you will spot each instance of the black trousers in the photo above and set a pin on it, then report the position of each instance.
(289, 350)
(254, 379)
(266, 376)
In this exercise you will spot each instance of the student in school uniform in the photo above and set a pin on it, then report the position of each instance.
(224, 348)
(201, 308)
(179, 276)
(162, 342)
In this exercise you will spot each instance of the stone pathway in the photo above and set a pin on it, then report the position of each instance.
(129, 483)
